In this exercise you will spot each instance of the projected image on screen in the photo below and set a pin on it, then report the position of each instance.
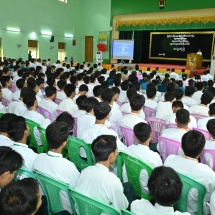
(123, 49)
(176, 45)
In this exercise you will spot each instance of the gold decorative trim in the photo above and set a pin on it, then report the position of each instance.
(163, 21)
(187, 32)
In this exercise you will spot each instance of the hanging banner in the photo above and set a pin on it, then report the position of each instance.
(102, 41)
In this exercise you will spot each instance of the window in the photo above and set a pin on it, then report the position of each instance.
(64, 1)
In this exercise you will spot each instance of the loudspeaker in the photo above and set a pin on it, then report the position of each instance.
(52, 39)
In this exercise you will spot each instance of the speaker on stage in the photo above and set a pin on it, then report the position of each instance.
(52, 39)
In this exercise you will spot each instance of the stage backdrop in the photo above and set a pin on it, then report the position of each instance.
(170, 47)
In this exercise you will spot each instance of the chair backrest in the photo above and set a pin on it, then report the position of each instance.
(31, 138)
(119, 164)
(46, 113)
(74, 145)
(128, 135)
(23, 172)
(171, 125)
(188, 184)
(5, 102)
(59, 112)
(204, 132)
(133, 168)
(198, 116)
(90, 206)
(149, 112)
(168, 147)
(52, 188)
(43, 139)
(125, 212)
(57, 101)
(74, 130)
(211, 153)
(157, 126)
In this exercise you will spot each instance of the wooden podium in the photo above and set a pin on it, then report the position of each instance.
(194, 61)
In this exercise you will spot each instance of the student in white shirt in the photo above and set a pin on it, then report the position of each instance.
(10, 161)
(198, 94)
(178, 97)
(57, 134)
(31, 83)
(40, 83)
(61, 94)
(187, 99)
(83, 89)
(20, 84)
(170, 88)
(131, 119)
(164, 109)
(202, 122)
(101, 111)
(104, 186)
(97, 92)
(6, 84)
(204, 77)
(68, 104)
(87, 120)
(165, 186)
(123, 96)
(116, 92)
(19, 131)
(2, 107)
(151, 94)
(202, 108)
(177, 105)
(79, 102)
(91, 85)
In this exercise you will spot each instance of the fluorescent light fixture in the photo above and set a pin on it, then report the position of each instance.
(68, 35)
(46, 33)
(33, 34)
(13, 29)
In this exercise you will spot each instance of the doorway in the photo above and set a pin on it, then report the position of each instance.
(89, 49)
(61, 51)
(32, 46)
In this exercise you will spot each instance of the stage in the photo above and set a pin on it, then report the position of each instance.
(162, 68)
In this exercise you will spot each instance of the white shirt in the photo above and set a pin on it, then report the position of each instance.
(17, 107)
(126, 108)
(199, 109)
(164, 109)
(68, 105)
(16, 95)
(188, 101)
(104, 186)
(28, 154)
(5, 141)
(123, 96)
(173, 133)
(199, 53)
(2, 108)
(174, 75)
(204, 78)
(130, 120)
(79, 113)
(197, 171)
(61, 95)
(7, 94)
(197, 97)
(90, 90)
(53, 168)
(50, 106)
(151, 104)
(145, 207)
(203, 122)
(210, 77)
(40, 94)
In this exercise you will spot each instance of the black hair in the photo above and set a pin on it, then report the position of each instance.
(136, 86)
(142, 131)
(39, 81)
(101, 79)
(151, 92)
(83, 88)
(137, 102)
(178, 94)
(29, 100)
(67, 118)
(92, 79)
(212, 108)
(115, 90)
(101, 110)
(165, 186)
(69, 89)
(124, 85)
(4, 121)
(103, 146)
(104, 85)
(180, 83)
(199, 85)
(107, 95)
(86, 79)
(189, 90)
(170, 87)
(117, 81)
(206, 98)
(178, 104)
(193, 143)
(97, 91)
(130, 93)
(73, 80)
(79, 101)
(50, 91)
(183, 116)
(27, 91)
(56, 134)
(4, 80)
(20, 83)
(61, 84)
(210, 83)
(169, 96)
(89, 104)
(50, 81)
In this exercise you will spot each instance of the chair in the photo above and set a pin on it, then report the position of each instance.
(128, 136)
(90, 206)
(211, 153)
(59, 112)
(1, 114)
(204, 132)
(43, 140)
(74, 145)
(119, 164)
(52, 188)
(133, 168)
(157, 126)
(23, 172)
(149, 112)
(198, 116)
(57, 101)
(171, 125)
(168, 147)
(46, 113)
(125, 212)
(74, 130)
(5, 102)
(188, 184)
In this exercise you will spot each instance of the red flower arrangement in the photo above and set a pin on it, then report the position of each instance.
(102, 47)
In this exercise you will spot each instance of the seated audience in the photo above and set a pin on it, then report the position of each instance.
(83, 89)
(122, 96)
(198, 94)
(178, 97)
(61, 94)
(2, 107)
(79, 102)
(151, 94)
(187, 99)
(6, 84)
(20, 84)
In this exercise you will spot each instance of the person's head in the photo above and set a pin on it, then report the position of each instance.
(57, 134)
(189, 91)
(69, 89)
(79, 101)
(97, 91)
(5, 81)
(182, 118)
(178, 94)
(193, 143)
(137, 102)
(86, 79)
(184, 77)
(40, 82)
(136, 86)
(125, 85)
(4, 122)
(30, 101)
(67, 118)
(74, 80)
(165, 186)
(206, 98)
(176, 105)
(143, 133)
(211, 127)
(170, 87)
(179, 83)
(116, 92)
(104, 149)
(22, 197)
(151, 92)
(199, 86)
(107, 95)
(89, 104)
(211, 111)
(61, 84)
(169, 97)
(6, 71)
(51, 92)
(102, 110)
(10, 161)
(130, 93)
(26, 91)
(210, 83)
(20, 83)
(83, 89)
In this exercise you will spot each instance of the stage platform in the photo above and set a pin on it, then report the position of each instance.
(162, 67)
